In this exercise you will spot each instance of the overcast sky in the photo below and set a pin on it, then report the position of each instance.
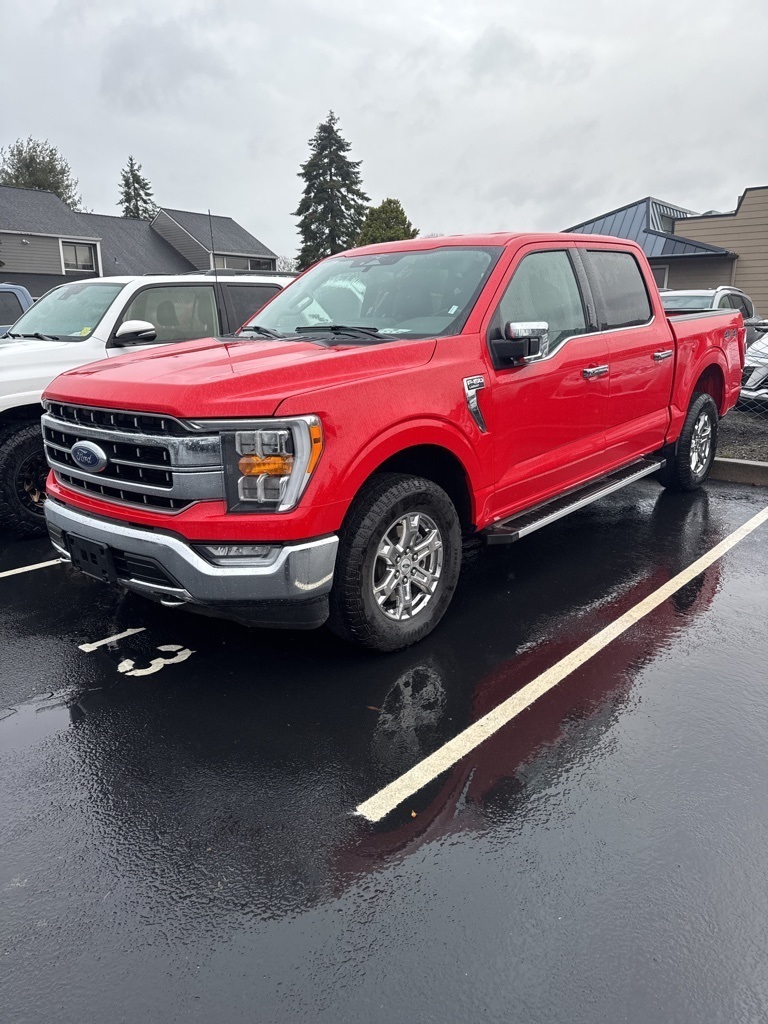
(478, 115)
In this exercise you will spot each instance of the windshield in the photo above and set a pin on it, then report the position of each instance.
(70, 312)
(422, 293)
(685, 300)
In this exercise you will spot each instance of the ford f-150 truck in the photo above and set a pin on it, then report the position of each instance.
(389, 406)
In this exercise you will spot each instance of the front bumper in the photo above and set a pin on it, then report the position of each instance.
(289, 587)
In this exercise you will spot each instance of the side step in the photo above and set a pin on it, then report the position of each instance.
(508, 530)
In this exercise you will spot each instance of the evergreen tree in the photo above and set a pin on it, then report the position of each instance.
(332, 207)
(135, 193)
(35, 163)
(386, 222)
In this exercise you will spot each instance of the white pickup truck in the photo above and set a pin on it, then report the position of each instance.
(88, 320)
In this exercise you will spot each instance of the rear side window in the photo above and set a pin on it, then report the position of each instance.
(247, 299)
(619, 289)
(10, 308)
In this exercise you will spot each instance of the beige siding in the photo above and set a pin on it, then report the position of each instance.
(744, 232)
(40, 256)
(182, 241)
(697, 272)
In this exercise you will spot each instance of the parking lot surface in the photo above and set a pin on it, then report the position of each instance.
(179, 838)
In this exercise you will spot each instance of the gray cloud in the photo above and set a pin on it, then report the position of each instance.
(485, 115)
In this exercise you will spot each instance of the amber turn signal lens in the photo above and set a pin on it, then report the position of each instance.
(271, 465)
(316, 438)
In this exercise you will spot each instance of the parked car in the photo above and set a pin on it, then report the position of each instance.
(481, 387)
(754, 380)
(14, 299)
(83, 321)
(725, 297)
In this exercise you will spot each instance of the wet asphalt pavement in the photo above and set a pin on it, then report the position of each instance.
(181, 845)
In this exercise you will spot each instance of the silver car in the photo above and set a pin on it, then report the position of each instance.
(725, 297)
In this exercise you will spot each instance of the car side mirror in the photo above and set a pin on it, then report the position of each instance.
(760, 325)
(521, 340)
(133, 332)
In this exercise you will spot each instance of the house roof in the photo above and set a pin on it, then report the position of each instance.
(641, 222)
(130, 246)
(36, 212)
(228, 235)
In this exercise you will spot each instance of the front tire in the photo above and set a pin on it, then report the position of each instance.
(23, 471)
(398, 563)
(690, 465)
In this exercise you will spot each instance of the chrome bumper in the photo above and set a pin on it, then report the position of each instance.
(291, 572)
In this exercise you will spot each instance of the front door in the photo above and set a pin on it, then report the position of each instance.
(549, 414)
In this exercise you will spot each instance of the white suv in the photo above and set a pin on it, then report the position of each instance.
(92, 319)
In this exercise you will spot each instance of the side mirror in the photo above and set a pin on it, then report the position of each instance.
(521, 341)
(760, 325)
(133, 332)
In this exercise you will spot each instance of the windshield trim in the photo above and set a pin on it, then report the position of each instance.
(98, 282)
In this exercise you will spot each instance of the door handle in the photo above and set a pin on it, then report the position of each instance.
(659, 357)
(591, 372)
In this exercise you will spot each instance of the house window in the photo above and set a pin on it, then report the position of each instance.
(79, 256)
(667, 224)
(242, 263)
(661, 275)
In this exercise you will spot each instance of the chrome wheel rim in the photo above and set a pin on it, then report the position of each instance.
(701, 443)
(408, 566)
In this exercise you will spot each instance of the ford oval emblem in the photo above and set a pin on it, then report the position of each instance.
(88, 456)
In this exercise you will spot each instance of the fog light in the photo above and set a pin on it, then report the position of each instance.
(237, 554)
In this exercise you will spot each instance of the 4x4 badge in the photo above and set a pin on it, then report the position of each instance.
(471, 386)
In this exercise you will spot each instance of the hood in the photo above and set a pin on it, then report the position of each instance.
(229, 379)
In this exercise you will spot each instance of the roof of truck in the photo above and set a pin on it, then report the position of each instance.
(492, 238)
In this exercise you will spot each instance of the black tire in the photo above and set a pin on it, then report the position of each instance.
(355, 613)
(22, 480)
(681, 472)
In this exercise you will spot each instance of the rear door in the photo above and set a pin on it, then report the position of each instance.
(549, 414)
(641, 354)
(243, 300)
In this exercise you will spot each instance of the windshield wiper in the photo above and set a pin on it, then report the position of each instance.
(369, 332)
(264, 331)
(37, 335)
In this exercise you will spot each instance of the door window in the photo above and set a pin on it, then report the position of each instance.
(178, 312)
(620, 289)
(10, 308)
(544, 288)
(247, 299)
(727, 301)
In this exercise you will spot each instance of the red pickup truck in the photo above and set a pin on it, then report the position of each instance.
(389, 406)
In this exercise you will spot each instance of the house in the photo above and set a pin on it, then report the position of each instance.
(43, 243)
(677, 260)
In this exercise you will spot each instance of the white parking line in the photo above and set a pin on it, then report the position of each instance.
(29, 568)
(391, 796)
(110, 639)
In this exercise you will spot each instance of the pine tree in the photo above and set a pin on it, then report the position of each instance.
(35, 163)
(332, 207)
(386, 222)
(135, 193)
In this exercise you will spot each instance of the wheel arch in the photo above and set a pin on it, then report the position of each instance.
(20, 414)
(711, 381)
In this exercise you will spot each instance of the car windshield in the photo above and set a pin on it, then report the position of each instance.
(420, 293)
(685, 300)
(70, 312)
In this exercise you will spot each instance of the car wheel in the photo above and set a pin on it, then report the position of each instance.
(23, 472)
(694, 454)
(398, 563)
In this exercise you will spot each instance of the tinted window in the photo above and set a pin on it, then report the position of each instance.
(620, 289)
(544, 288)
(177, 312)
(10, 308)
(246, 299)
(727, 301)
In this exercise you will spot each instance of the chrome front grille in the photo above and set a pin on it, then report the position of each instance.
(150, 462)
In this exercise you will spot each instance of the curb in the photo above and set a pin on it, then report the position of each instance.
(740, 471)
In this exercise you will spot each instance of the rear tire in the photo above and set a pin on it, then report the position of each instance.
(690, 465)
(398, 563)
(23, 471)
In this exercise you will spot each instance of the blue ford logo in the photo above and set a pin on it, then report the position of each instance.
(89, 456)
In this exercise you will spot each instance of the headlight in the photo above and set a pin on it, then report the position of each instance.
(268, 465)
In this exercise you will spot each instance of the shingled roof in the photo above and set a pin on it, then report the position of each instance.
(37, 212)
(130, 246)
(228, 236)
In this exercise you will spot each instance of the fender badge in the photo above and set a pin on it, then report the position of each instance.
(471, 387)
